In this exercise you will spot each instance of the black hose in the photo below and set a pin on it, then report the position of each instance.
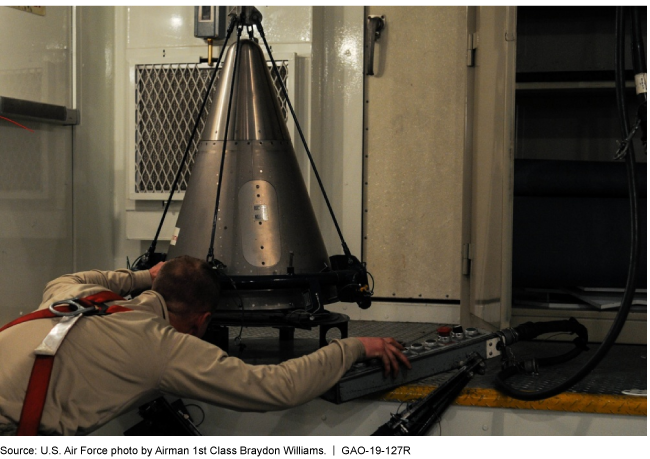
(529, 331)
(630, 286)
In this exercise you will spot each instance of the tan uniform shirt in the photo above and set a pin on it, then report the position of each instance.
(110, 364)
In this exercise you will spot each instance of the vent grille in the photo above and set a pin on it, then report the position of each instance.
(167, 101)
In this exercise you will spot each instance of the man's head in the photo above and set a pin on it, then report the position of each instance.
(191, 290)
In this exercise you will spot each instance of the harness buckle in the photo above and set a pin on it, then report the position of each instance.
(76, 308)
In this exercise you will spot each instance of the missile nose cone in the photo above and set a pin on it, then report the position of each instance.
(255, 112)
(265, 222)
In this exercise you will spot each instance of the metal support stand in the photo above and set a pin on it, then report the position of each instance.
(287, 333)
(219, 336)
(323, 329)
(217, 332)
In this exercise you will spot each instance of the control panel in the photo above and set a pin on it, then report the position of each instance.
(445, 349)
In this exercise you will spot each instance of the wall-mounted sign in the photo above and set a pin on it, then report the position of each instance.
(40, 10)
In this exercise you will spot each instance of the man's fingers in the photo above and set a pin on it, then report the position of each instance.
(393, 361)
(386, 361)
(400, 355)
(389, 351)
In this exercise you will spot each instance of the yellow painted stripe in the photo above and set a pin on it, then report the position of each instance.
(568, 401)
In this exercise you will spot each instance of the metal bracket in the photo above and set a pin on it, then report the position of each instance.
(248, 15)
(37, 111)
(466, 259)
(491, 348)
(472, 44)
(374, 26)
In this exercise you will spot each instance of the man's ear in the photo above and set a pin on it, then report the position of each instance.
(201, 324)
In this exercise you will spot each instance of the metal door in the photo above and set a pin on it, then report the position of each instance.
(414, 153)
(490, 145)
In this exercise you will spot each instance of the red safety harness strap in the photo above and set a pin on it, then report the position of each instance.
(100, 298)
(96, 299)
(40, 314)
(39, 381)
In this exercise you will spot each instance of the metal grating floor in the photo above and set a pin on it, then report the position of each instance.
(624, 368)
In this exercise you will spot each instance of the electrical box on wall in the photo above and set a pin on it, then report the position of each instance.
(210, 22)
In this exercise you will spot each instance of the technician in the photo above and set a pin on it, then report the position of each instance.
(146, 346)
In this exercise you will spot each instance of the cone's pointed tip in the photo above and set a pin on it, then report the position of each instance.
(253, 111)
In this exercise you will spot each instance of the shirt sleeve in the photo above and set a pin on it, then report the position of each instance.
(202, 371)
(122, 282)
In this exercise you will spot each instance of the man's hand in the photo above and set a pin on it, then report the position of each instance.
(388, 350)
(154, 270)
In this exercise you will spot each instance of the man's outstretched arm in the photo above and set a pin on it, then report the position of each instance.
(122, 281)
(201, 371)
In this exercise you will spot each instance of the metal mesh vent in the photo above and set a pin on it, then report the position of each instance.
(168, 98)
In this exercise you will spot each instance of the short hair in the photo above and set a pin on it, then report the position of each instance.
(189, 285)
